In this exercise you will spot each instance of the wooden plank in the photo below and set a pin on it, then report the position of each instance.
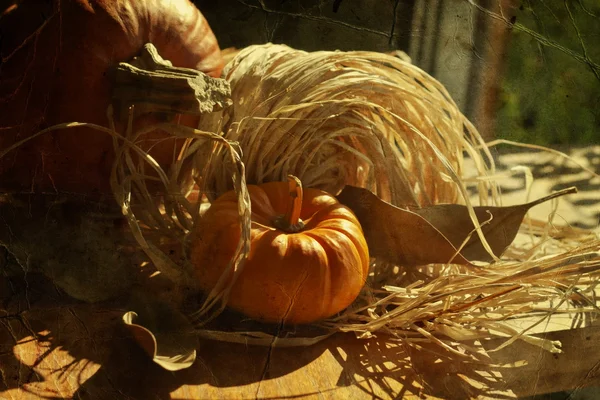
(54, 347)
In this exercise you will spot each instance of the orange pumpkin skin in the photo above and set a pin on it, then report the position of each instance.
(294, 278)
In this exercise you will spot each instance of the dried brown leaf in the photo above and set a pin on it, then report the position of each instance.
(434, 234)
(396, 235)
(499, 225)
(163, 332)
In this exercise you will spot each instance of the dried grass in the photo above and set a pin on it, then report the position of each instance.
(335, 118)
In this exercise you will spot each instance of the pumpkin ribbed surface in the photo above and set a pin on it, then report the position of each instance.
(56, 59)
(296, 277)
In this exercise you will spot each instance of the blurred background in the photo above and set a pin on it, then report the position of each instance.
(520, 70)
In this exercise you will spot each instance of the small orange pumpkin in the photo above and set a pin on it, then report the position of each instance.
(308, 258)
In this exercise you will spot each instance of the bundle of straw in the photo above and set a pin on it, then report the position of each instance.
(335, 118)
(375, 121)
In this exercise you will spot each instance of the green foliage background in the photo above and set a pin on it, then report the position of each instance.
(548, 96)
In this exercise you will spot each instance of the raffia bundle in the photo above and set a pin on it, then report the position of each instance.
(369, 120)
(335, 118)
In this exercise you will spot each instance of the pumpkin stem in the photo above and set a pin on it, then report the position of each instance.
(154, 85)
(290, 221)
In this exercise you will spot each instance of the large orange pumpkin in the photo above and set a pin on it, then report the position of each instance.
(308, 259)
(55, 58)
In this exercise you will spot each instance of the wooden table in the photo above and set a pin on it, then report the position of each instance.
(83, 351)
(52, 346)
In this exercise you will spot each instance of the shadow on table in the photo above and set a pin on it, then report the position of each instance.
(384, 369)
(83, 351)
(371, 366)
(54, 347)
